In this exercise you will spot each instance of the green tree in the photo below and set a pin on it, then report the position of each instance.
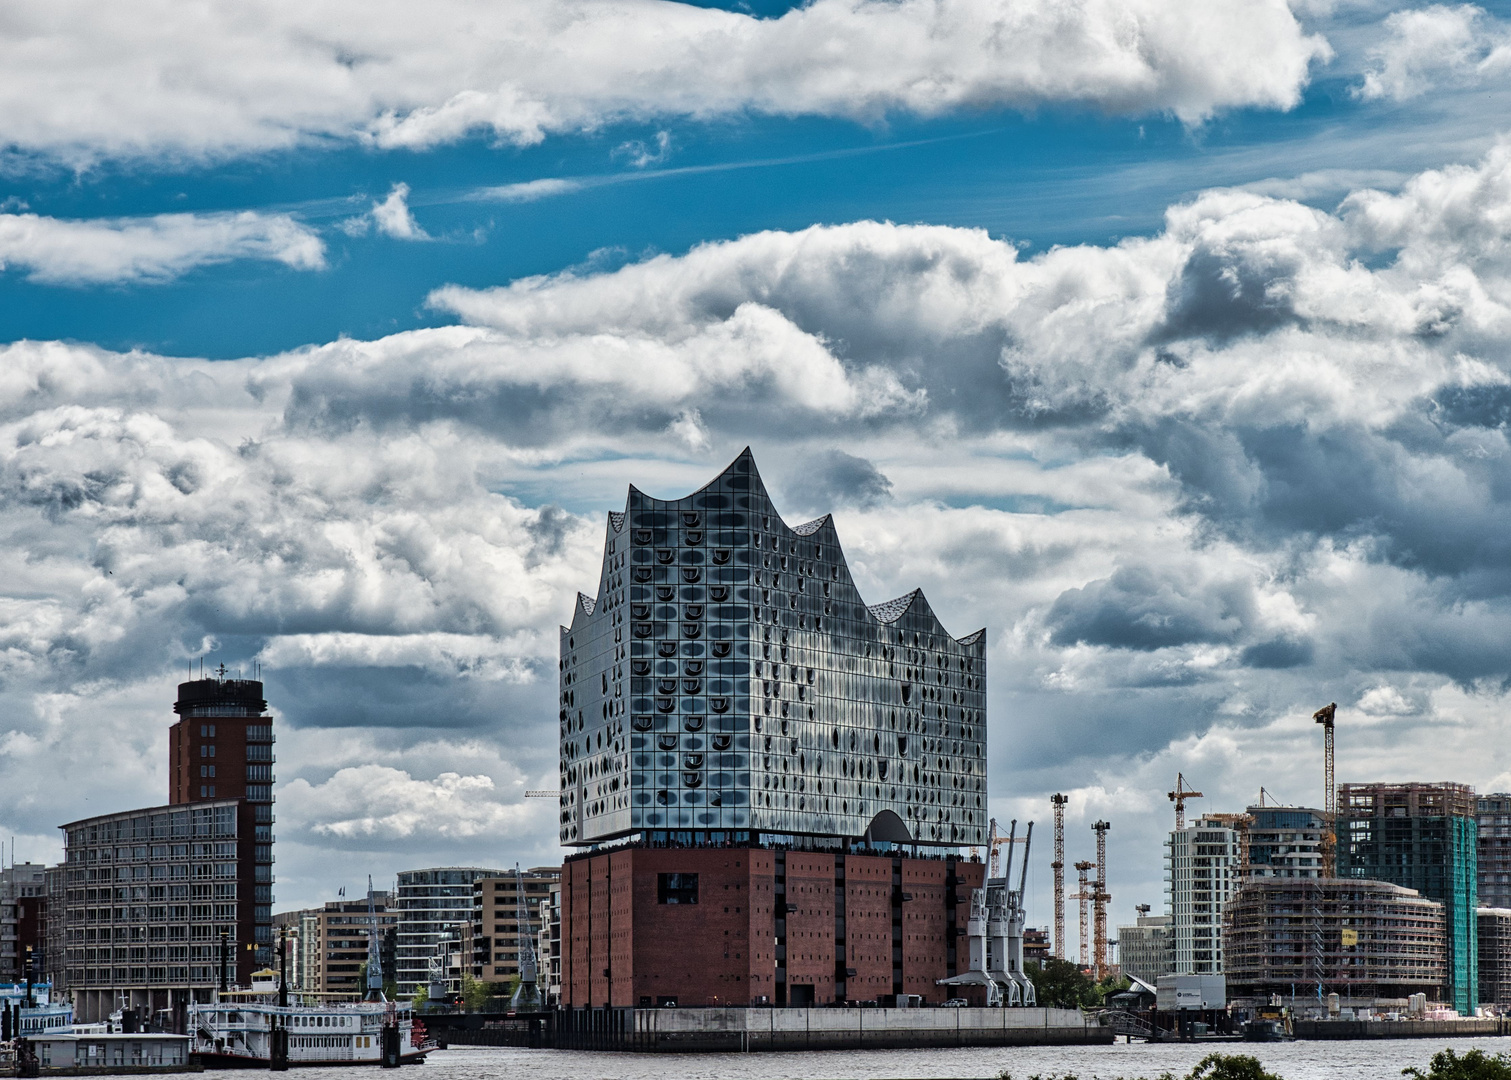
(475, 993)
(1059, 984)
(421, 996)
(1230, 1067)
(1475, 1065)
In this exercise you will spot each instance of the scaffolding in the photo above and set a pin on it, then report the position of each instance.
(1377, 940)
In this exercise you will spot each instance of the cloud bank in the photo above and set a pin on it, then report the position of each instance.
(80, 84)
(1197, 483)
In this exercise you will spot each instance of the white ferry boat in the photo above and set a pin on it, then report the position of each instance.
(237, 1030)
(39, 1014)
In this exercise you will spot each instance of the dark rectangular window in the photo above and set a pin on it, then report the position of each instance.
(676, 888)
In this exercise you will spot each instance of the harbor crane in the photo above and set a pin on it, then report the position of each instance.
(1179, 797)
(1058, 801)
(527, 994)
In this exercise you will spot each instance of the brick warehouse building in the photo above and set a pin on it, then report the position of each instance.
(773, 779)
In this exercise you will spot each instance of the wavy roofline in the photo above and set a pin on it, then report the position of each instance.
(885, 614)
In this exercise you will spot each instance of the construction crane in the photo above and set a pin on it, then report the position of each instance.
(1179, 797)
(1058, 801)
(1325, 716)
(1083, 894)
(1099, 902)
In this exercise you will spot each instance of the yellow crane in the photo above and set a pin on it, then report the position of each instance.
(1325, 716)
(1179, 797)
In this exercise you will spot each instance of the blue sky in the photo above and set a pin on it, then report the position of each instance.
(1168, 340)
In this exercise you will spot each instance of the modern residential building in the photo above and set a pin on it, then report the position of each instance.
(1204, 865)
(434, 913)
(1284, 842)
(286, 931)
(330, 944)
(1495, 957)
(1144, 947)
(23, 916)
(1363, 940)
(496, 927)
(777, 776)
(549, 953)
(1422, 837)
(1493, 816)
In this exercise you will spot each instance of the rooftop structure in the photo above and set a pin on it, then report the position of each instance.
(222, 745)
(1422, 837)
(1360, 939)
(727, 681)
(1284, 842)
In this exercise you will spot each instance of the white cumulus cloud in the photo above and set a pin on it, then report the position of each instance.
(393, 217)
(150, 249)
(81, 83)
(1436, 46)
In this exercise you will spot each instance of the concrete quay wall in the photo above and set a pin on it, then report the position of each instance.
(1467, 1027)
(705, 1030)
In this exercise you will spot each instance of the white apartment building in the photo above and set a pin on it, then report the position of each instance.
(1204, 865)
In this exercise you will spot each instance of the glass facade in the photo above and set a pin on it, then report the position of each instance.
(728, 678)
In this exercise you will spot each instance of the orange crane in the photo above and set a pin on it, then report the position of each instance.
(1083, 894)
(1179, 797)
(1058, 866)
(1099, 902)
(1325, 716)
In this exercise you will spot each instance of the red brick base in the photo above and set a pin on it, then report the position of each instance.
(767, 926)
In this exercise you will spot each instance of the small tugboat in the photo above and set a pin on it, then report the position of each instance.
(262, 1028)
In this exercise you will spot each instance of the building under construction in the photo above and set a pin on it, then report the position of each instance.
(1422, 837)
(1494, 924)
(1363, 940)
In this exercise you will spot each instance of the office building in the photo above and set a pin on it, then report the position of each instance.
(1144, 947)
(1422, 837)
(1204, 864)
(23, 916)
(1362, 940)
(788, 772)
(1284, 842)
(434, 922)
(157, 902)
(1493, 817)
(496, 926)
(1495, 957)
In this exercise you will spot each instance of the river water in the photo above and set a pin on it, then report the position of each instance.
(1371, 1059)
